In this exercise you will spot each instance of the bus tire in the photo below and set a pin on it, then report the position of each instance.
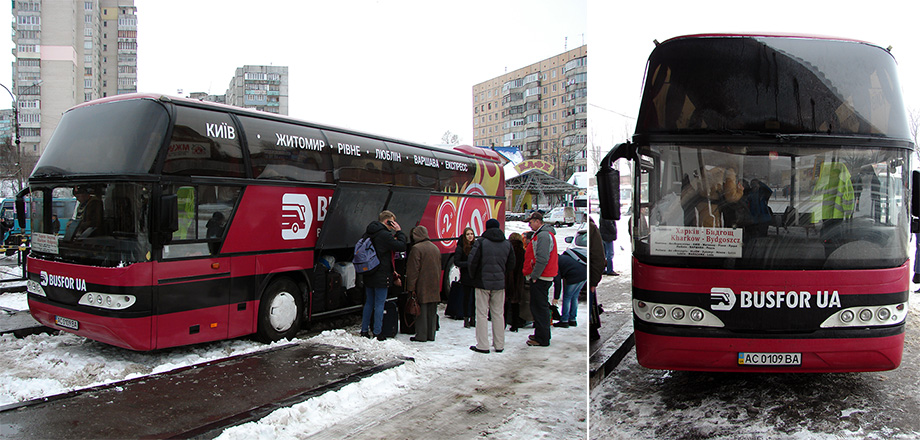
(280, 311)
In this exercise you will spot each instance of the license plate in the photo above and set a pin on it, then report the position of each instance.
(770, 359)
(67, 322)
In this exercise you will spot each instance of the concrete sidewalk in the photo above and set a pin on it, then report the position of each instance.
(197, 401)
(616, 329)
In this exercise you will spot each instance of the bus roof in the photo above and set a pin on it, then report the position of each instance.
(769, 35)
(463, 150)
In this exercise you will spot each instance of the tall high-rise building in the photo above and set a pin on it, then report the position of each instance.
(68, 53)
(540, 109)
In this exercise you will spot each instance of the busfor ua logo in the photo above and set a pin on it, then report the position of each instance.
(296, 216)
(723, 299)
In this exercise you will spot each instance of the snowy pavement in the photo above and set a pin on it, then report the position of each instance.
(447, 392)
(639, 403)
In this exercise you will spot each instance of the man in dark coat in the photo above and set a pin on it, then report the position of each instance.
(595, 273)
(423, 277)
(490, 258)
(387, 237)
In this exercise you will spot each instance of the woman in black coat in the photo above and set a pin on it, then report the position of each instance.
(461, 260)
(514, 284)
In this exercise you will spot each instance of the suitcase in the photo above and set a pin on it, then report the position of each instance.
(390, 319)
(454, 308)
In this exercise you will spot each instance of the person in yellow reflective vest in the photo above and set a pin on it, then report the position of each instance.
(834, 193)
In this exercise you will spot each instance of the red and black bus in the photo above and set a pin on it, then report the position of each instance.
(200, 222)
(772, 195)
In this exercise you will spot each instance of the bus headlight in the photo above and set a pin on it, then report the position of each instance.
(677, 313)
(108, 300)
(35, 288)
(674, 314)
(883, 314)
(847, 316)
(696, 315)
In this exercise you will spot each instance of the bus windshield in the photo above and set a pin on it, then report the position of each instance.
(772, 207)
(108, 227)
(108, 131)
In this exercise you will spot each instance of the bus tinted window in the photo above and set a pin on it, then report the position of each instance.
(354, 159)
(111, 138)
(414, 166)
(456, 171)
(204, 143)
(287, 151)
(776, 85)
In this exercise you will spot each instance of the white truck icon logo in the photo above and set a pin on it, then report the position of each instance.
(296, 216)
(723, 299)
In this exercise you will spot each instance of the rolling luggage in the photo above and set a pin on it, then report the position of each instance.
(454, 308)
(390, 320)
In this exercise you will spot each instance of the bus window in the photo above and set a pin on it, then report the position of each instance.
(411, 169)
(204, 143)
(204, 213)
(354, 159)
(287, 152)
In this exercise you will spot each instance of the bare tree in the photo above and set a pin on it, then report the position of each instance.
(450, 138)
(913, 116)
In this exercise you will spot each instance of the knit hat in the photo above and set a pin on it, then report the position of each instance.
(492, 224)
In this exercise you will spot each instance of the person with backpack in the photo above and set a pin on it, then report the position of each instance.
(387, 237)
(572, 276)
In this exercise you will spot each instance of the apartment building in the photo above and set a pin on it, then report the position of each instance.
(262, 88)
(67, 53)
(540, 109)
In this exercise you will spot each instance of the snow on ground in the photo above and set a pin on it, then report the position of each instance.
(524, 392)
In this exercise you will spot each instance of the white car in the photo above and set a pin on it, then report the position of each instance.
(560, 216)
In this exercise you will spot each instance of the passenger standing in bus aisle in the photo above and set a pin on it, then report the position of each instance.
(55, 224)
(514, 284)
(573, 273)
(423, 277)
(489, 261)
(541, 275)
(595, 273)
(461, 260)
(608, 235)
(88, 214)
(387, 237)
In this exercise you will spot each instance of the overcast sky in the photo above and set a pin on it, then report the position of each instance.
(622, 35)
(399, 68)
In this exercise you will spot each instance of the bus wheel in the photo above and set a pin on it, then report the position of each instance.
(279, 311)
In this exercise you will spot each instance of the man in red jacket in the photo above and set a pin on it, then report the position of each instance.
(541, 273)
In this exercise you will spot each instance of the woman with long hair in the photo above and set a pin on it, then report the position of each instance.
(461, 260)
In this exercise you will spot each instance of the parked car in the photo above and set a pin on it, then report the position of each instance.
(579, 241)
(563, 215)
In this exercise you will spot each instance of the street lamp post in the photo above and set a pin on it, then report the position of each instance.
(16, 128)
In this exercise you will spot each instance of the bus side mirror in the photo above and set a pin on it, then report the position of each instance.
(167, 219)
(21, 207)
(915, 202)
(608, 191)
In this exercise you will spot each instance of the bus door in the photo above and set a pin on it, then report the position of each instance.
(193, 280)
